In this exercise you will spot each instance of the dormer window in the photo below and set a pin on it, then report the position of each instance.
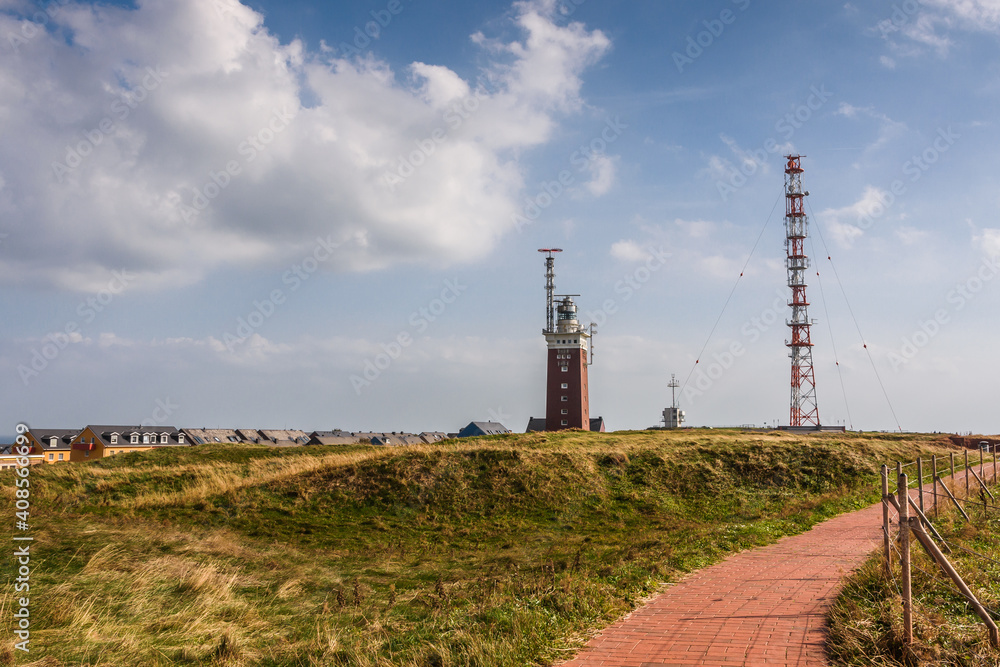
(180, 438)
(134, 439)
(52, 441)
(114, 438)
(163, 439)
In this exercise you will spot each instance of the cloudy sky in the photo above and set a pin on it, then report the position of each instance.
(326, 215)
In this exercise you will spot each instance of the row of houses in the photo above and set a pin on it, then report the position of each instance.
(96, 442)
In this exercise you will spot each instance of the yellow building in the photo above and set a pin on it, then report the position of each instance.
(96, 442)
(53, 444)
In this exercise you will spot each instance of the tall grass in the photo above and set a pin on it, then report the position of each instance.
(504, 551)
(867, 619)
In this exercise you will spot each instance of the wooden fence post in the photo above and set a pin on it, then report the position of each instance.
(954, 500)
(886, 542)
(952, 464)
(982, 463)
(933, 482)
(920, 483)
(904, 550)
(966, 473)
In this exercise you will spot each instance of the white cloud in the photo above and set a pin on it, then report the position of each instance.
(888, 129)
(602, 174)
(989, 240)
(972, 14)
(846, 224)
(629, 251)
(910, 235)
(933, 22)
(147, 107)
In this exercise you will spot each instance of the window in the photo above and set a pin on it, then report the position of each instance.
(145, 438)
(565, 398)
(134, 439)
(564, 369)
(163, 439)
(51, 456)
(60, 456)
(114, 438)
(86, 453)
(180, 438)
(565, 423)
(564, 411)
(565, 385)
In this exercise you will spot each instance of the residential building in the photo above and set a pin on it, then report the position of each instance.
(96, 442)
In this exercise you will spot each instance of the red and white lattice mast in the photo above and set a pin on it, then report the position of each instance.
(804, 410)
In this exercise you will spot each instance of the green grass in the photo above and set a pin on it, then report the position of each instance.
(508, 550)
(867, 620)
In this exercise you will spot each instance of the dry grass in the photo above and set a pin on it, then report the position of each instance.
(486, 552)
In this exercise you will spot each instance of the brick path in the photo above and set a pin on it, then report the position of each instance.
(762, 607)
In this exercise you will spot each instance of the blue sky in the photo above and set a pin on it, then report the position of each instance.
(235, 210)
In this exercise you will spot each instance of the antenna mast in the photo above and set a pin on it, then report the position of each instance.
(804, 410)
(550, 288)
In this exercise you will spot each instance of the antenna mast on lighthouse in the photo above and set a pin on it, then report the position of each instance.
(804, 410)
(550, 288)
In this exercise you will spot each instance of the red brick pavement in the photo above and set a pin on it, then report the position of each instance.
(762, 607)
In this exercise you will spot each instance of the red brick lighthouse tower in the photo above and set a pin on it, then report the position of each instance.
(567, 397)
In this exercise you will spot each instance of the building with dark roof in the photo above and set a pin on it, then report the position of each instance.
(95, 442)
(478, 429)
(54, 444)
(204, 436)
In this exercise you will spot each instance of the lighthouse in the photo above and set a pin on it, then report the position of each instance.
(570, 353)
(567, 397)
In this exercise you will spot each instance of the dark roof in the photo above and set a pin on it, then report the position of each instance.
(483, 428)
(65, 437)
(597, 424)
(535, 424)
(336, 433)
(334, 439)
(104, 432)
(201, 436)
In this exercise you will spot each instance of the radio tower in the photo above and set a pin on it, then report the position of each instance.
(804, 410)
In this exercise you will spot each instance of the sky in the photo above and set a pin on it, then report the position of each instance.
(319, 215)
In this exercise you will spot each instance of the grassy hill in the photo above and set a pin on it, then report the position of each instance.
(507, 550)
